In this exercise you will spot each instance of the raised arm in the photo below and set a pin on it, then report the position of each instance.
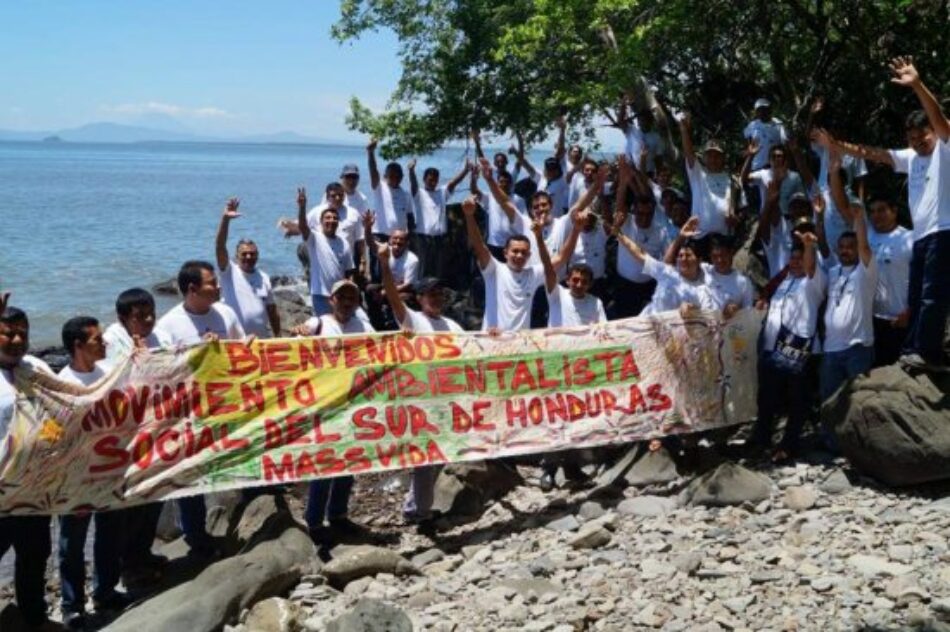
(566, 251)
(876, 154)
(475, 239)
(818, 205)
(389, 283)
(770, 212)
(413, 181)
(559, 147)
(620, 203)
(630, 245)
(302, 224)
(905, 74)
(477, 140)
(550, 275)
(801, 165)
(221, 241)
(522, 158)
(751, 149)
(816, 106)
(686, 131)
(457, 179)
(371, 159)
(603, 172)
(368, 219)
(861, 231)
(810, 260)
(500, 196)
(473, 182)
(689, 230)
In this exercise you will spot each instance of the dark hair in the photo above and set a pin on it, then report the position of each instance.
(691, 244)
(541, 194)
(917, 120)
(134, 297)
(395, 168)
(517, 237)
(335, 187)
(329, 209)
(583, 268)
(190, 274)
(75, 331)
(589, 161)
(504, 174)
(718, 240)
(848, 234)
(553, 164)
(777, 147)
(430, 171)
(245, 242)
(502, 154)
(13, 315)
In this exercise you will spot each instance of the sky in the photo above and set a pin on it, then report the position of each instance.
(211, 67)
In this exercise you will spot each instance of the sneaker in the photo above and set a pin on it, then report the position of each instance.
(74, 620)
(113, 601)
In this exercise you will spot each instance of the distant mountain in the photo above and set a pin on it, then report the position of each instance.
(104, 132)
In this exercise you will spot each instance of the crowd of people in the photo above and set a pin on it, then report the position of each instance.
(579, 242)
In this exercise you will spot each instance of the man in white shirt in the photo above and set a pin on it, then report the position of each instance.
(403, 266)
(83, 340)
(581, 181)
(200, 317)
(926, 161)
(730, 289)
(500, 218)
(328, 498)
(787, 339)
(643, 145)
(634, 288)
(551, 182)
(330, 256)
(849, 312)
(790, 182)
(765, 131)
(391, 203)
(893, 247)
(431, 219)
(244, 288)
(29, 536)
(430, 293)
(713, 192)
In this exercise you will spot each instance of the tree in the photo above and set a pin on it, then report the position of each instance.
(514, 65)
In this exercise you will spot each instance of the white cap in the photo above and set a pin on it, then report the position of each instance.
(762, 103)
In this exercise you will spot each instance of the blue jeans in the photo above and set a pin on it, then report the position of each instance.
(929, 296)
(328, 497)
(30, 538)
(837, 367)
(321, 305)
(107, 555)
(192, 516)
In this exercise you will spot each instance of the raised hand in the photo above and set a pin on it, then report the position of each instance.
(752, 148)
(301, 198)
(807, 238)
(822, 138)
(369, 218)
(691, 228)
(730, 310)
(231, 208)
(560, 121)
(371, 146)
(412, 164)
(537, 227)
(905, 74)
(469, 206)
(817, 105)
(301, 330)
(383, 252)
(580, 217)
(834, 159)
(818, 203)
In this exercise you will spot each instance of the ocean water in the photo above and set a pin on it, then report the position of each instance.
(81, 222)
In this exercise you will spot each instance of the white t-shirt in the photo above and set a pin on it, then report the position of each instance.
(637, 138)
(430, 210)
(180, 327)
(767, 134)
(248, 295)
(591, 249)
(795, 304)
(557, 189)
(577, 190)
(328, 326)
(791, 184)
(420, 323)
(854, 167)
(499, 228)
(892, 252)
(405, 269)
(8, 394)
(653, 240)
(555, 235)
(393, 207)
(712, 198)
(850, 307)
(68, 374)
(350, 227)
(928, 187)
(120, 344)
(330, 258)
(566, 311)
(672, 290)
(734, 288)
(508, 295)
(779, 248)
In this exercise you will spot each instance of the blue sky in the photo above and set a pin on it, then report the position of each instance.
(240, 67)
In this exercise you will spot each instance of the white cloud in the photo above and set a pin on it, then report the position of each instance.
(178, 111)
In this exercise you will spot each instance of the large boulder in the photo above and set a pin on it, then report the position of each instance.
(894, 425)
(292, 306)
(728, 484)
(465, 488)
(371, 615)
(364, 561)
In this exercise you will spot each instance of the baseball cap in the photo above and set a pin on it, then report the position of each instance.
(349, 170)
(428, 284)
(762, 103)
(713, 145)
(798, 196)
(804, 224)
(343, 284)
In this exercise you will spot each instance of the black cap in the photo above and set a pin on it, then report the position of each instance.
(428, 284)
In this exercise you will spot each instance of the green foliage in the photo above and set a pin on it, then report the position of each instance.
(513, 65)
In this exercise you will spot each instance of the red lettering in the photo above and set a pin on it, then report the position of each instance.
(445, 343)
(285, 470)
(296, 433)
(522, 377)
(162, 440)
(216, 392)
(273, 437)
(229, 444)
(241, 359)
(582, 375)
(252, 396)
(278, 357)
(108, 448)
(660, 400)
(365, 419)
(356, 457)
(629, 369)
(318, 436)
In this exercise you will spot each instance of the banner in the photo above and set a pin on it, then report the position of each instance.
(227, 415)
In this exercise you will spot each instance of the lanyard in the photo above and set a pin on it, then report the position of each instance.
(844, 286)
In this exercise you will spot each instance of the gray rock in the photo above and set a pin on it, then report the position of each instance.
(531, 588)
(273, 615)
(689, 563)
(224, 589)
(427, 557)
(591, 509)
(646, 506)
(870, 565)
(800, 498)
(652, 468)
(614, 476)
(371, 615)
(728, 484)
(564, 523)
(836, 483)
(465, 488)
(591, 538)
(365, 561)
(822, 584)
(738, 605)
(764, 577)
(423, 599)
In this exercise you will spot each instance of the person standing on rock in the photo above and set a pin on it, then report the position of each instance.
(244, 288)
(432, 223)
(392, 204)
(430, 294)
(787, 339)
(328, 498)
(926, 161)
(200, 317)
(893, 247)
(331, 259)
(83, 340)
(29, 536)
